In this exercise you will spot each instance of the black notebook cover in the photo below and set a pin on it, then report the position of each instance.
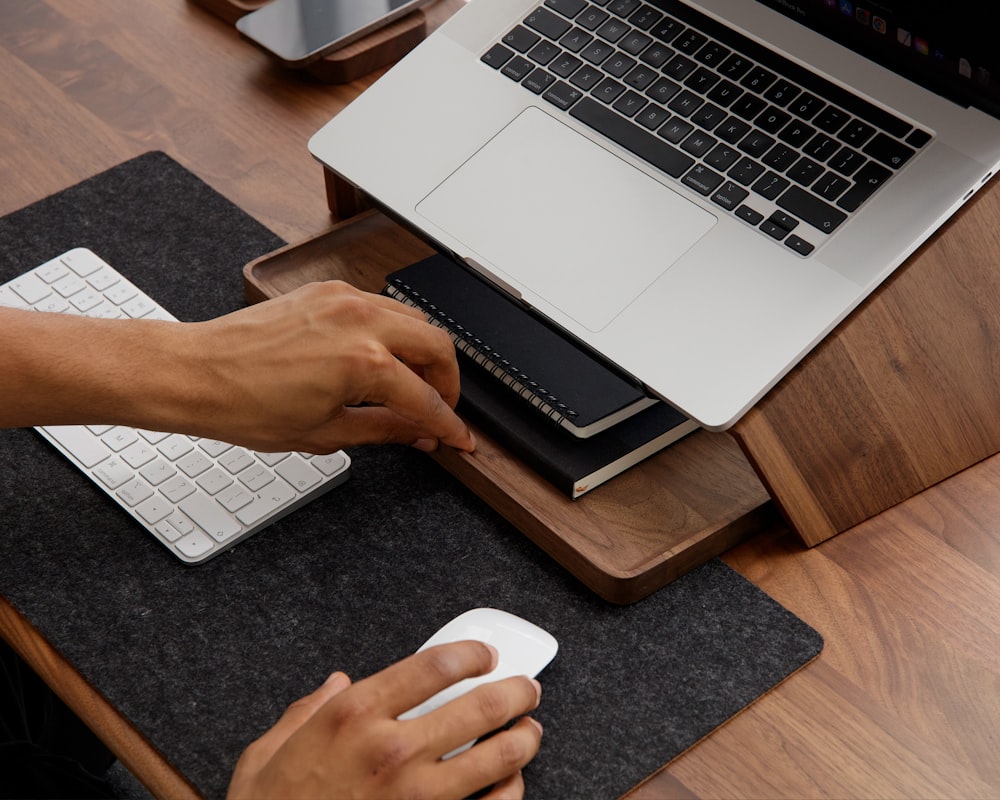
(557, 377)
(502, 348)
(572, 465)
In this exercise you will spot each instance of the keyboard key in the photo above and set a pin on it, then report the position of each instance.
(547, 23)
(888, 151)
(209, 516)
(867, 180)
(300, 474)
(729, 195)
(799, 245)
(521, 39)
(194, 545)
(114, 473)
(702, 179)
(562, 95)
(134, 492)
(274, 497)
(811, 209)
(568, 8)
(30, 289)
(646, 146)
(79, 443)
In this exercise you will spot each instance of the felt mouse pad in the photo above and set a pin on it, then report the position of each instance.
(203, 659)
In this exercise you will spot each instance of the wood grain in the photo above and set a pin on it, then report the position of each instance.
(900, 396)
(903, 701)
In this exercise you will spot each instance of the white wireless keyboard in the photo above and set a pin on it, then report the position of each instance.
(198, 497)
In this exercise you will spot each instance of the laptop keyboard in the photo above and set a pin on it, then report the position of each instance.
(779, 147)
(197, 497)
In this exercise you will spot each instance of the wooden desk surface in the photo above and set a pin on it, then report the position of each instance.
(905, 699)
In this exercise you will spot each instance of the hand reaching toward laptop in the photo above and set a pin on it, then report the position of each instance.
(323, 367)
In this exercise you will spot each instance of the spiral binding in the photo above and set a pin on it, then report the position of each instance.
(482, 354)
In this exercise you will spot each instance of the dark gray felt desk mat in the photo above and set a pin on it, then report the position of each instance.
(203, 659)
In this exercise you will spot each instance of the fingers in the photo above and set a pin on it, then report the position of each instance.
(510, 788)
(408, 336)
(302, 709)
(295, 716)
(408, 683)
(404, 420)
(482, 710)
(496, 761)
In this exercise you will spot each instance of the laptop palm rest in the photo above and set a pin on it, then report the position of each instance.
(501, 204)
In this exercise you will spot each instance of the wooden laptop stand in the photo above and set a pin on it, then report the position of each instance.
(901, 395)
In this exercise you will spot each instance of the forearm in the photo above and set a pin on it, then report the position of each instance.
(61, 369)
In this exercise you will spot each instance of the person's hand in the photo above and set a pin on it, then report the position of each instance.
(345, 741)
(324, 367)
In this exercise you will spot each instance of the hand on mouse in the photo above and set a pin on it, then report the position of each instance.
(345, 740)
(323, 367)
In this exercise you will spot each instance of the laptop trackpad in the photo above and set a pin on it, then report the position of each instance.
(557, 216)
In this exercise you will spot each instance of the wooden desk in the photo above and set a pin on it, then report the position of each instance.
(903, 702)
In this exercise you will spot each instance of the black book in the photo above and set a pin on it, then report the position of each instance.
(556, 376)
(573, 464)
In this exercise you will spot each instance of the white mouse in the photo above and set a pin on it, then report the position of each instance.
(523, 648)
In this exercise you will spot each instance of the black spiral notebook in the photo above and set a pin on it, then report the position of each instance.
(554, 375)
(519, 377)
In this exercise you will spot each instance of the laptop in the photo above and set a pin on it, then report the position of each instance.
(696, 191)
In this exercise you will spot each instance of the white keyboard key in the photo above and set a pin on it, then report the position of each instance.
(69, 285)
(195, 545)
(167, 531)
(134, 492)
(53, 304)
(114, 473)
(181, 523)
(210, 517)
(138, 307)
(256, 478)
(237, 460)
(80, 444)
(10, 300)
(177, 488)
(103, 280)
(82, 262)
(118, 438)
(158, 471)
(194, 463)
(137, 454)
(51, 271)
(175, 446)
(154, 509)
(272, 458)
(276, 496)
(298, 473)
(329, 464)
(234, 497)
(30, 289)
(214, 481)
(153, 437)
(121, 293)
(99, 430)
(86, 300)
(105, 311)
(214, 447)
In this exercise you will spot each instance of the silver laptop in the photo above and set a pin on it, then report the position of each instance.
(699, 191)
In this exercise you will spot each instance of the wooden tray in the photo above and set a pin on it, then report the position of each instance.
(624, 539)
